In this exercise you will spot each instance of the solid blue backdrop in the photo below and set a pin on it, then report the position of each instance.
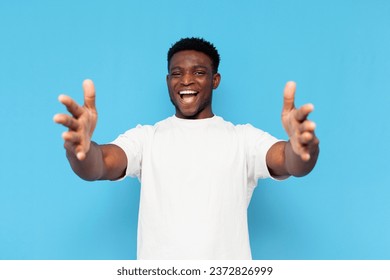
(336, 51)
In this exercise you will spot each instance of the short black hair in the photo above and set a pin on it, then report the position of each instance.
(196, 44)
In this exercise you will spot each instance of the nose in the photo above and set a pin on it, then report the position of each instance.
(186, 79)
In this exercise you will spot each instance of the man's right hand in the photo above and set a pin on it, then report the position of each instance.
(81, 123)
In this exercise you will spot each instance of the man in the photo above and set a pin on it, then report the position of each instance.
(197, 171)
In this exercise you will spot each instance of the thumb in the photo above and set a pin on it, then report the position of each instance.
(89, 94)
(288, 98)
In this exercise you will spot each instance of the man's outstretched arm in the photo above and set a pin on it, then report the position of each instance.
(88, 160)
(298, 156)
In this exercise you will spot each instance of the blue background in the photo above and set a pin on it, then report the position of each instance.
(338, 52)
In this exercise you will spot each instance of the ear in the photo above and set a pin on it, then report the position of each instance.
(216, 80)
(167, 80)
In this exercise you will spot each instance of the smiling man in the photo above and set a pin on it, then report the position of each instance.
(197, 171)
(191, 80)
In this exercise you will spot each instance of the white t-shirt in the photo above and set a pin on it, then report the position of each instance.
(197, 178)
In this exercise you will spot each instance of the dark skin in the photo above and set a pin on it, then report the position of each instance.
(191, 82)
(192, 71)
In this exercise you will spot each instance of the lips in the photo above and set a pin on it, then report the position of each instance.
(188, 96)
(187, 92)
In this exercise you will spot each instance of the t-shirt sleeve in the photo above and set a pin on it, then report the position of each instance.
(131, 142)
(258, 143)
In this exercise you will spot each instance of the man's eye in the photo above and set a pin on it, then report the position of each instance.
(175, 74)
(199, 73)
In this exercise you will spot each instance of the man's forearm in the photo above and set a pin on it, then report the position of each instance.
(92, 167)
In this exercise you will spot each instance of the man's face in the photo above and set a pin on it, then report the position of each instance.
(190, 83)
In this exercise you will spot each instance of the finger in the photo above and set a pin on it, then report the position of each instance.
(89, 94)
(306, 137)
(71, 105)
(80, 152)
(301, 150)
(305, 156)
(288, 97)
(66, 121)
(71, 136)
(302, 113)
(75, 149)
(307, 126)
(308, 150)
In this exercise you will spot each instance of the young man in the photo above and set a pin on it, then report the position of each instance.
(197, 171)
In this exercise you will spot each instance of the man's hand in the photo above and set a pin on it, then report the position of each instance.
(299, 129)
(81, 123)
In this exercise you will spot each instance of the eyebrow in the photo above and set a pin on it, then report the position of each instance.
(193, 67)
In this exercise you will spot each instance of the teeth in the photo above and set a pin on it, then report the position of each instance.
(188, 92)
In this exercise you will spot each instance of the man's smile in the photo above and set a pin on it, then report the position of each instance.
(188, 96)
(187, 92)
